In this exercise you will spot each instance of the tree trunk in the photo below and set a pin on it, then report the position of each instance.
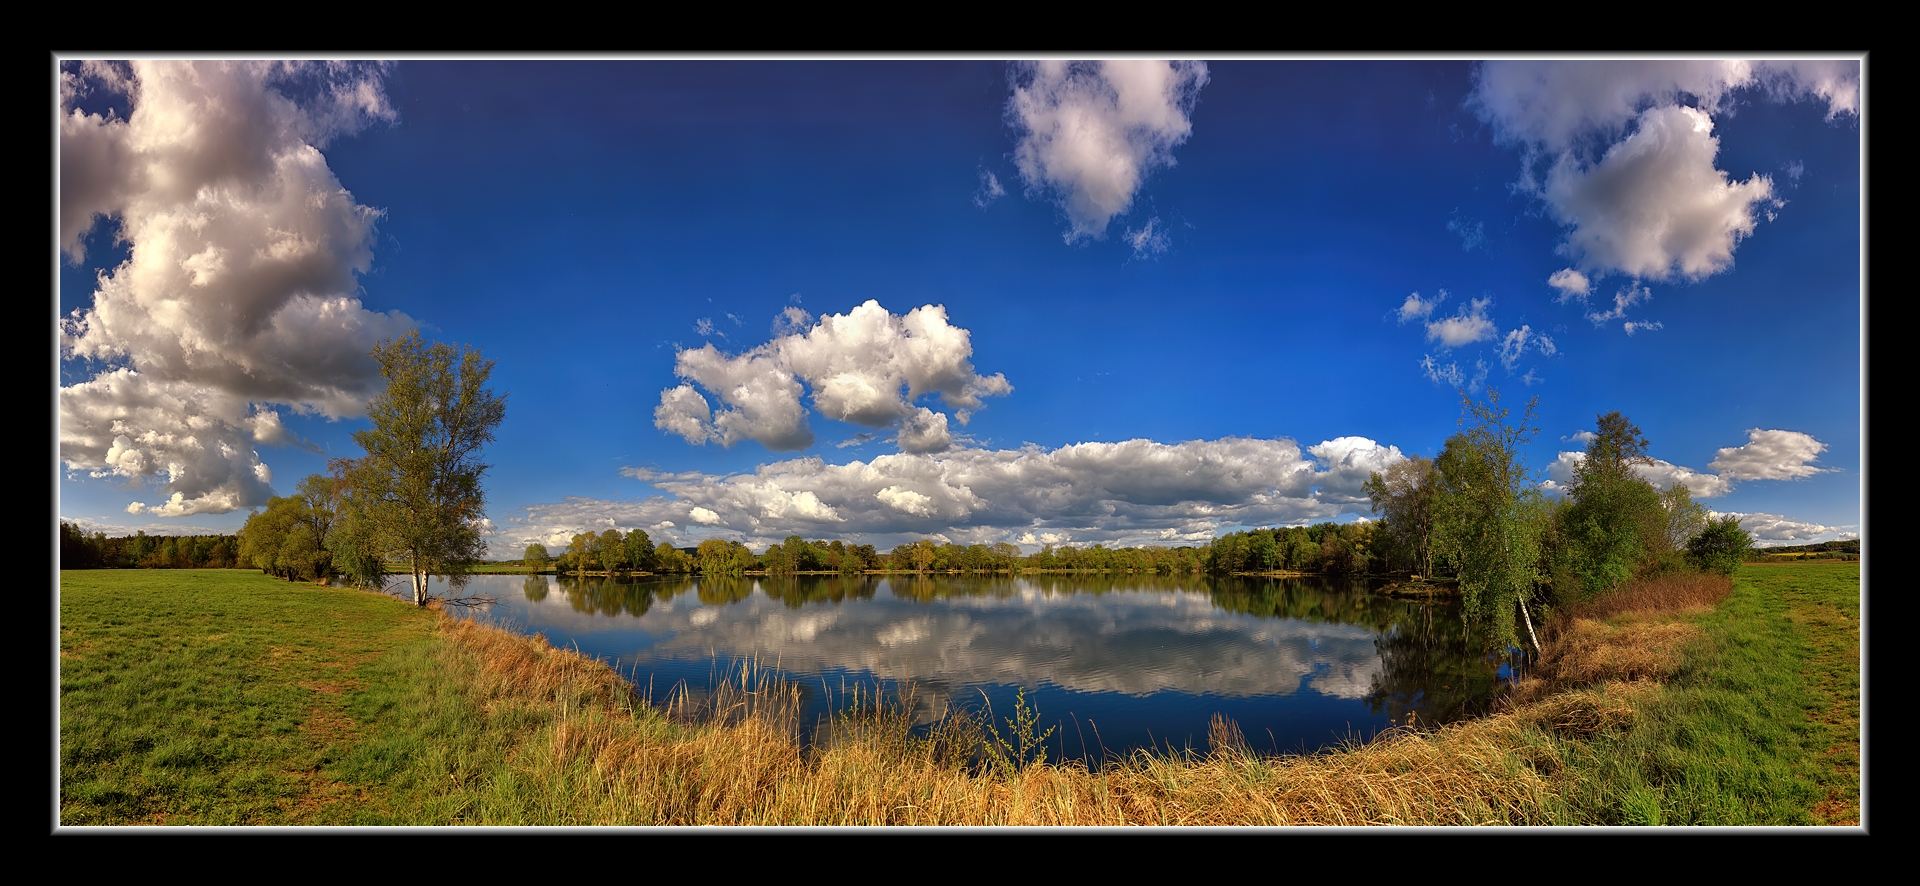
(419, 584)
(1529, 617)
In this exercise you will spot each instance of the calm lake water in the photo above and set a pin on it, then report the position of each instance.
(1116, 662)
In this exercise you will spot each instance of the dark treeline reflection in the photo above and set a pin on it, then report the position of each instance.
(613, 597)
(1431, 663)
(799, 591)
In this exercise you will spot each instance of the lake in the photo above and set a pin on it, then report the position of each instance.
(1115, 662)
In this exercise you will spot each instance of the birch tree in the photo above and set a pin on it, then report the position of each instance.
(418, 490)
(1489, 517)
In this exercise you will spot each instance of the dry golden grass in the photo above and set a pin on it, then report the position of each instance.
(736, 759)
(1588, 652)
(1670, 593)
(1640, 632)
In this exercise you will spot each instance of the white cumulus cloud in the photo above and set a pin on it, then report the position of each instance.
(1570, 284)
(1774, 529)
(1771, 455)
(1468, 325)
(1767, 455)
(241, 285)
(1417, 308)
(1090, 132)
(1654, 206)
(1628, 152)
(1349, 462)
(865, 367)
(1664, 475)
(925, 431)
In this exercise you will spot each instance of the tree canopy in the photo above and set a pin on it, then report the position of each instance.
(417, 495)
(1612, 512)
(1490, 516)
(1403, 494)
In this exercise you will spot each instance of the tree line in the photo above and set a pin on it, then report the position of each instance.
(611, 551)
(1322, 547)
(1839, 549)
(78, 550)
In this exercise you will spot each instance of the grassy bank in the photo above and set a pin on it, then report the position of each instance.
(215, 697)
(1756, 717)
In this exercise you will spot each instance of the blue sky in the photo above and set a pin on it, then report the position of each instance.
(1133, 303)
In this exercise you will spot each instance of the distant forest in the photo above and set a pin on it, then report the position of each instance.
(1322, 547)
(1841, 549)
(79, 550)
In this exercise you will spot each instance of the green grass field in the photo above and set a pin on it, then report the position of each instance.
(231, 698)
(213, 697)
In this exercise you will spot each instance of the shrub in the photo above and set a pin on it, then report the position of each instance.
(1721, 546)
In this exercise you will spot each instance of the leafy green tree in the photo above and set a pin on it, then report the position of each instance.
(293, 538)
(1612, 510)
(418, 491)
(220, 554)
(861, 558)
(1677, 521)
(1403, 494)
(75, 551)
(1263, 552)
(319, 497)
(357, 555)
(1721, 546)
(799, 554)
(537, 557)
(611, 550)
(1489, 516)
(668, 558)
(1006, 556)
(775, 560)
(640, 550)
(923, 555)
(722, 557)
(580, 551)
(265, 536)
(1302, 552)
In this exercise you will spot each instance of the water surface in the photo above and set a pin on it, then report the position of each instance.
(1114, 662)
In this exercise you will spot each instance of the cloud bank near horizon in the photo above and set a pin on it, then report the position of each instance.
(1133, 492)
